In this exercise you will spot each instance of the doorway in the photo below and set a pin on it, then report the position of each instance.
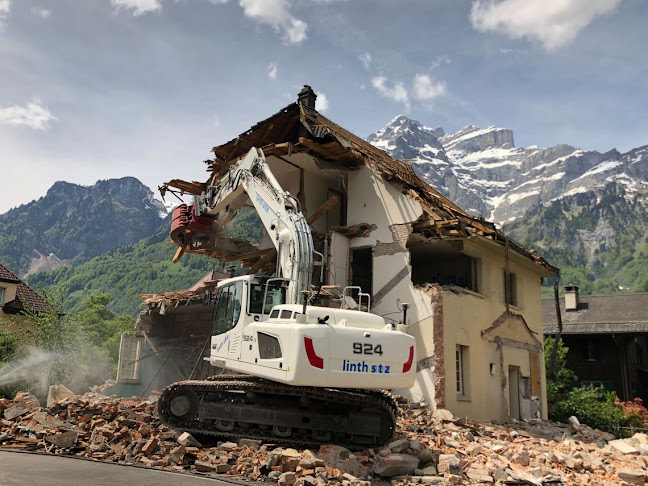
(362, 270)
(514, 392)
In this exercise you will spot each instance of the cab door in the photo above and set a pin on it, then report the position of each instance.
(225, 340)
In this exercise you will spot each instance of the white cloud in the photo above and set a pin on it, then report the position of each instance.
(397, 92)
(218, 2)
(365, 59)
(34, 115)
(139, 7)
(43, 13)
(216, 121)
(426, 88)
(506, 50)
(552, 22)
(439, 60)
(276, 13)
(5, 6)
(321, 102)
(272, 70)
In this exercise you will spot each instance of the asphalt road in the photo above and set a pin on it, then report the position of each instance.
(22, 469)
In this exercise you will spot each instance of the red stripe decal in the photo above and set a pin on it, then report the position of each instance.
(408, 365)
(313, 359)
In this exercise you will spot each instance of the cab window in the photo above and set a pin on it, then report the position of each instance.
(228, 308)
(276, 295)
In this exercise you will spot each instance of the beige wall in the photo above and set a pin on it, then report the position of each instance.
(466, 315)
(10, 294)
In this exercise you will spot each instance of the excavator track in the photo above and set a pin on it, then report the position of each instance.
(241, 406)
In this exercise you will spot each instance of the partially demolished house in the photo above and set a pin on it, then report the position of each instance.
(174, 330)
(473, 294)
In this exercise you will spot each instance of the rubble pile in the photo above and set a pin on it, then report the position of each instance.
(429, 448)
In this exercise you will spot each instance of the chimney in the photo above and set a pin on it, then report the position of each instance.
(307, 97)
(571, 298)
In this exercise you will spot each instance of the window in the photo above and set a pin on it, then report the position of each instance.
(590, 350)
(636, 353)
(228, 308)
(526, 387)
(276, 295)
(462, 366)
(510, 289)
(129, 356)
(3, 290)
(269, 347)
(591, 384)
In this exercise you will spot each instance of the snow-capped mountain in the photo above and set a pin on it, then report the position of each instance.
(483, 171)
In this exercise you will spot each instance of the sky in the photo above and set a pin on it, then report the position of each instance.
(99, 89)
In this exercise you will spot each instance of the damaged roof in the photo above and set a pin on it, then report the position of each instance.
(599, 314)
(300, 128)
(26, 297)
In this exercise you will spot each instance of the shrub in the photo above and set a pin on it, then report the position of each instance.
(595, 407)
(636, 415)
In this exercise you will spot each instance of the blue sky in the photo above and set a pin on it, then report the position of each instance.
(96, 89)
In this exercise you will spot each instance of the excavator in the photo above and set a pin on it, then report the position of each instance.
(296, 372)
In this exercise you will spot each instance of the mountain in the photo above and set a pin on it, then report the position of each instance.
(585, 211)
(483, 171)
(73, 223)
(144, 267)
(126, 272)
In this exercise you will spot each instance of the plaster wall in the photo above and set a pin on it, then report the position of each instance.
(372, 200)
(467, 314)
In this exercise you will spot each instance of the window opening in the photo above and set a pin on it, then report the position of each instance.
(444, 264)
(462, 365)
(362, 271)
(510, 291)
(276, 295)
(129, 355)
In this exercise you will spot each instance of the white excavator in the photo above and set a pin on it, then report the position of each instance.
(297, 373)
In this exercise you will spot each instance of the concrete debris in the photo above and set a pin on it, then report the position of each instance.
(57, 393)
(429, 448)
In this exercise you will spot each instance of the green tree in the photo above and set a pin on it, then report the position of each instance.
(558, 385)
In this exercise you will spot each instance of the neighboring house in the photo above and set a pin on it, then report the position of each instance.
(174, 331)
(474, 294)
(607, 337)
(15, 298)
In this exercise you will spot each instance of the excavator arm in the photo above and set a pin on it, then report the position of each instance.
(250, 181)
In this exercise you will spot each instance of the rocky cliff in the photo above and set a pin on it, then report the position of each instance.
(74, 223)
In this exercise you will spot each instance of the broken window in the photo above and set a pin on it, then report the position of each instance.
(129, 358)
(526, 387)
(510, 289)
(443, 262)
(461, 369)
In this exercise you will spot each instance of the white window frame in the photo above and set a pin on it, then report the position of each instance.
(130, 349)
(462, 372)
(459, 370)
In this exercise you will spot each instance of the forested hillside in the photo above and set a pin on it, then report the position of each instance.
(599, 239)
(74, 223)
(142, 268)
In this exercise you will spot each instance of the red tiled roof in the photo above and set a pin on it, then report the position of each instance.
(26, 297)
(7, 276)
